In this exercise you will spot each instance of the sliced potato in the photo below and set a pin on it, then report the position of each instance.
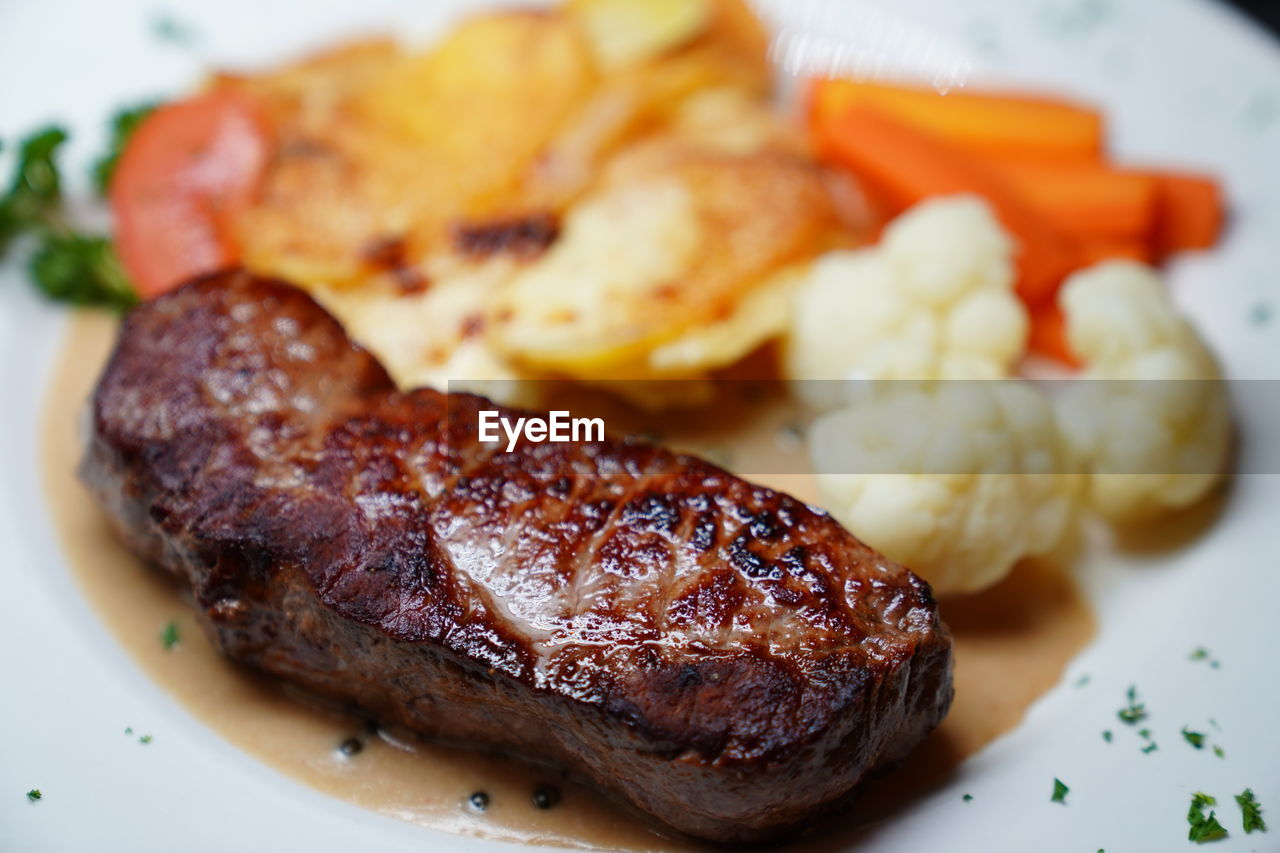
(422, 141)
(434, 337)
(626, 32)
(481, 106)
(672, 240)
(763, 314)
(594, 300)
(643, 125)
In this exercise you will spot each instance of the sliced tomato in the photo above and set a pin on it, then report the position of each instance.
(188, 170)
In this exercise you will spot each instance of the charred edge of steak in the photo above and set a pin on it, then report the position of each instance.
(717, 654)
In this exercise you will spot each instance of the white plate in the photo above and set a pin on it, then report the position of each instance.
(1183, 82)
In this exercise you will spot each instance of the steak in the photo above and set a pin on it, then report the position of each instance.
(723, 656)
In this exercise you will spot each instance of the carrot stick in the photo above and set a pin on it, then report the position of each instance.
(1088, 200)
(1049, 335)
(987, 123)
(1095, 249)
(1189, 212)
(903, 165)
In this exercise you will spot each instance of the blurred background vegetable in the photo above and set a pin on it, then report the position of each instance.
(1042, 164)
(66, 265)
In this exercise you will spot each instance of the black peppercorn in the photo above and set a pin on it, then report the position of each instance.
(545, 797)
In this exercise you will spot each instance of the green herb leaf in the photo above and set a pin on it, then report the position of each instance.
(1198, 801)
(36, 189)
(169, 635)
(1200, 653)
(34, 794)
(1251, 811)
(1150, 748)
(1196, 739)
(1203, 828)
(1106, 735)
(170, 29)
(1217, 750)
(1135, 711)
(1208, 829)
(82, 270)
(128, 730)
(145, 739)
(66, 266)
(1059, 792)
(967, 798)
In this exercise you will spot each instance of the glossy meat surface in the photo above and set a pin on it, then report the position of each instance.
(719, 654)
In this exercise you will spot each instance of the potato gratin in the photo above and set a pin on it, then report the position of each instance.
(599, 191)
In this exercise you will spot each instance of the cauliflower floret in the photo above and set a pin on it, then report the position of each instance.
(934, 300)
(956, 480)
(1159, 440)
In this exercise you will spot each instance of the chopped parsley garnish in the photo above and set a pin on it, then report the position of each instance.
(1217, 750)
(1196, 739)
(1106, 735)
(1251, 811)
(1151, 747)
(1200, 653)
(1059, 792)
(66, 266)
(128, 730)
(968, 798)
(34, 794)
(1082, 680)
(1135, 711)
(1208, 829)
(1203, 828)
(123, 125)
(145, 739)
(168, 28)
(169, 635)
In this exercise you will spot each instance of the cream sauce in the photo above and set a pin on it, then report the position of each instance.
(1012, 643)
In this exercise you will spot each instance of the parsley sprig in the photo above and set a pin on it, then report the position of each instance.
(66, 266)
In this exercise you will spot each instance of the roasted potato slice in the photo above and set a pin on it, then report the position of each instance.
(428, 140)
(625, 32)
(432, 337)
(672, 241)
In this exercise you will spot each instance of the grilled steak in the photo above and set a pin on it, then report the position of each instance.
(723, 656)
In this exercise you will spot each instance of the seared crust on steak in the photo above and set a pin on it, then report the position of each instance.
(723, 656)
